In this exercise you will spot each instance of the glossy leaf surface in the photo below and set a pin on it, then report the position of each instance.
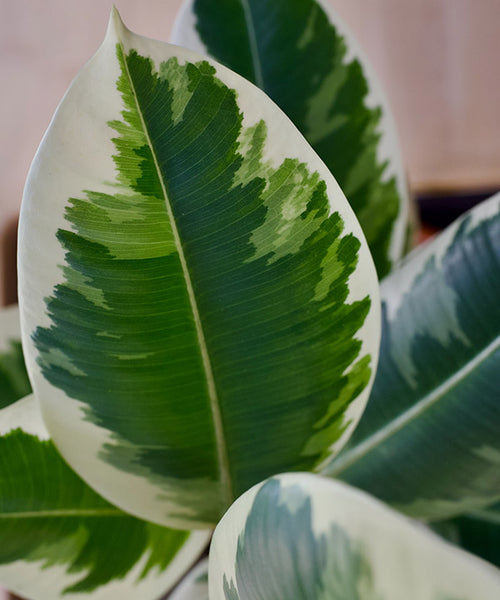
(59, 539)
(302, 55)
(429, 441)
(304, 537)
(200, 307)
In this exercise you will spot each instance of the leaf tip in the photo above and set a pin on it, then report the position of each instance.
(116, 27)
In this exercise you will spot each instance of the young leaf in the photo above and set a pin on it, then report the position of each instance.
(194, 586)
(200, 307)
(14, 382)
(59, 539)
(302, 55)
(304, 537)
(429, 441)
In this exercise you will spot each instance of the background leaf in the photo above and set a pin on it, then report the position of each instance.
(476, 531)
(302, 55)
(305, 537)
(200, 305)
(429, 441)
(59, 539)
(14, 382)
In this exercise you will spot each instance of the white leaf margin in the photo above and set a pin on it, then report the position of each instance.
(184, 33)
(407, 560)
(91, 101)
(22, 577)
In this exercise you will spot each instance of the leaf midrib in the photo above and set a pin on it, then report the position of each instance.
(254, 47)
(407, 417)
(222, 454)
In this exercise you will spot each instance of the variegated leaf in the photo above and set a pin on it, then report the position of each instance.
(14, 382)
(305, 537)
(195, 584)
(199, 306)
(477, 531)
(429, 441)
(302, 55)
(59, 539)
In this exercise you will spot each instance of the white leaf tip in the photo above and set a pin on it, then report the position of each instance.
(116, 27)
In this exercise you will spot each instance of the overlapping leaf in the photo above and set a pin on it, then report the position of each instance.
(200, 305)
(304, 58)
(304, 537)
(429, 441)
(59, 539)
(14, 382)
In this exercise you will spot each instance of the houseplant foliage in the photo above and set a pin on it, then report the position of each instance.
(305, 58)
(301, 536)
(199, 307)
(199, 312)
(59, 538)
(475, 529)
(440, 354)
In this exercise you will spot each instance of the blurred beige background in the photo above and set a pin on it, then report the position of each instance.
(438, 59)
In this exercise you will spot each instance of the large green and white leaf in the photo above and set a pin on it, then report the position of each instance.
(304, 57)
(199, 306)
(59, 539)
(305, 537)
(14, 382)
(194, 586)
(429, 441)
(477, 531)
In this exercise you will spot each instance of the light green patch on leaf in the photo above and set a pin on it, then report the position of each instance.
(251, 145)
(49, 516)
(358, 377)
(305, 537)
(289, 220)
(295, 53)
(179, 82)
(429, 440)
(209, 308)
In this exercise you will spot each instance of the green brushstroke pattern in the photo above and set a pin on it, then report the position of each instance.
(291, 50)
(268, 269)
(280, 556)
(446, 332)
(49, 515)
(14, 382)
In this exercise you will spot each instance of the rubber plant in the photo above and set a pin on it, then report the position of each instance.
(200, 312)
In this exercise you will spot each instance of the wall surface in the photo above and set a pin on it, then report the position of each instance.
(438, 60)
